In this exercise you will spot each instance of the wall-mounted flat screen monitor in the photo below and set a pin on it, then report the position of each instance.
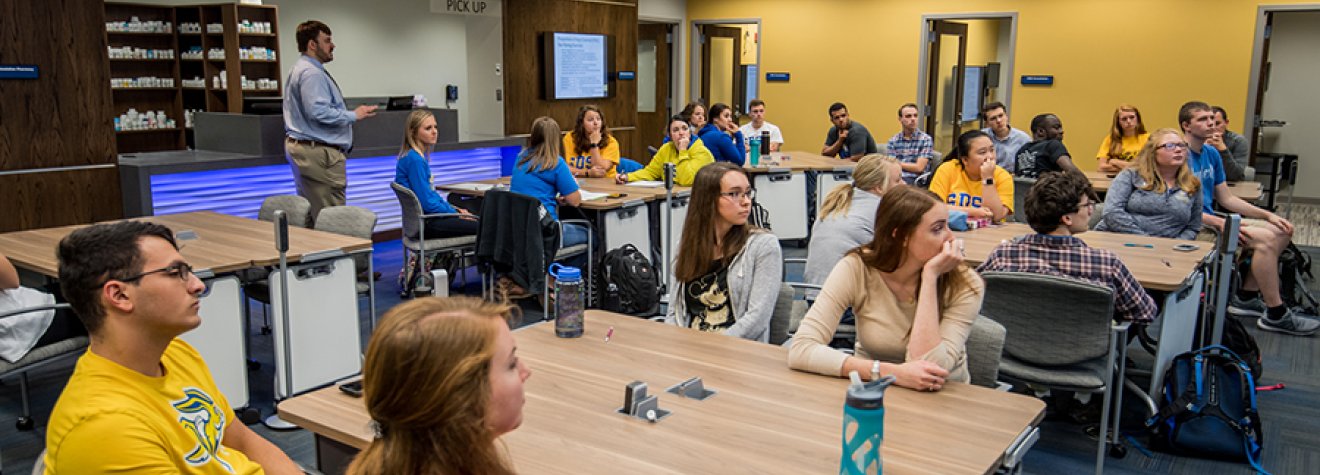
(576, 65)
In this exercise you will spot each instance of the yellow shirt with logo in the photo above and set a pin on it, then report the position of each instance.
(113, 419)
(953, 186)
(580, 163)
(1131, 147)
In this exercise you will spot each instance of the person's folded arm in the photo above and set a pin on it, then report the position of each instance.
(810, 350)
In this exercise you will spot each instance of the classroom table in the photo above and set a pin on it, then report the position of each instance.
(782, 183)
(1247, 190)
(764, 417)
(1155, 264)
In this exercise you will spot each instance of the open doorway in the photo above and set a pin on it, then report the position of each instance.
(725, 60)
(1279, 118)
(977, 50)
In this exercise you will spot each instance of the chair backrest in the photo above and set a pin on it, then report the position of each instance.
(411, 219)
(1096, 215)
(1041, 330)
(782, 315)
(353, 221)
(509, 222)
(1021, 185)
(294, 206)
(985, 344)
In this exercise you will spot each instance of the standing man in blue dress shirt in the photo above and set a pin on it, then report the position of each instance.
(317, 124)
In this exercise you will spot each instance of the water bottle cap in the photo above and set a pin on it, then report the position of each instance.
(869, 395)
(565, 273)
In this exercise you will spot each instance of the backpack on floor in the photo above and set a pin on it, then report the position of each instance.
(628, 282)
(1240, 342)
(1295, 279)
(1209, 408)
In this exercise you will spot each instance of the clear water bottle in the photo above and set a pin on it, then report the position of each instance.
(754, 151)
(863, 426)
(568, 301)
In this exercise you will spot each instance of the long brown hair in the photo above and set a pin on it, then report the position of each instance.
(697, 247)
(543, 145)
(580, 130)
(1116, 130)
(900, 212)
(413, 124)
(1148, 167)
(872, 172)
(426, 385)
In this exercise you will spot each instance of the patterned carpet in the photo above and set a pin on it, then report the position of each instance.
(1306, 220)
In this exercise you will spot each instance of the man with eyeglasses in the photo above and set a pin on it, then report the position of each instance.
(140, 399)
(1059, 206)
(1267, 235)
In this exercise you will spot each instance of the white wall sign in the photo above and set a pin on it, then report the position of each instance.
(466, 7)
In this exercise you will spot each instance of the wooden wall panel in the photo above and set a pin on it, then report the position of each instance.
(526, 20)
(58, 198)
(61, 119)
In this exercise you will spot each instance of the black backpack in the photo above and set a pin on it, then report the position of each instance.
(1295, 279)
(1241, 343)
(1209, 408)
(628, 282)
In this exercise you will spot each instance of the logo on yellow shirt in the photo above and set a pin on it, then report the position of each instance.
(199, 414)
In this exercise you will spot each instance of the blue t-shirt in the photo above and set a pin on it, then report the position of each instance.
(413, 172)
(543, 185)
(1209, 167)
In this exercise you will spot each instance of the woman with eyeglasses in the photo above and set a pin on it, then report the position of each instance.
(682, 149)
(1158, 195)
(728, 271)
(1126, 137)
(913, 299)
(970, 181)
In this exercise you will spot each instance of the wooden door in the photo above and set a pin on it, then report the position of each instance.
(654, 43)
(709, 35)
(944, 130)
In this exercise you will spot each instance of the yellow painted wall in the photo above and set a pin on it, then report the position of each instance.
(864, 53)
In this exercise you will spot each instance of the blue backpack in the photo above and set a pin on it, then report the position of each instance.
(1209, 408)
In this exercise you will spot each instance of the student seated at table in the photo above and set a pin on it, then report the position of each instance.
(913, 298)
(728, 271)
(1126, 137)
(541, 173)
(1157, 195)
(141, 400)
(847, 138)
(1046, 152)
(441, 381)
(590, 149)
(688, 154)
(722, 136)
(970, 181)
(1059, 206)
(413, 171)
(847, 217)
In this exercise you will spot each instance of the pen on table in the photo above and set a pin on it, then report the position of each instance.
(1133, 244)
(1166, 263)
(609, 334)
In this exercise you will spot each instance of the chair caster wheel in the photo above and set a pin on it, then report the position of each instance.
(1118, 451)
(24, 423)
(265, 330)
(249, 415)
(253, 365)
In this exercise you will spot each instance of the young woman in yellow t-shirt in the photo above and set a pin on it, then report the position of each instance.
(1126, 137)
(970, 181)
(589, 149)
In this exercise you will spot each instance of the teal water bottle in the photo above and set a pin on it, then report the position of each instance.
(754, 151)
(568, 301)
(863, 426)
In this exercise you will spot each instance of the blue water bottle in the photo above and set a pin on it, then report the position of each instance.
(754, 150)
(568, 301)
(863, 426)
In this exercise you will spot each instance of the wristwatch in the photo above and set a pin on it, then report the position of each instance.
(988, 181)
(594, 145)
(875, 370)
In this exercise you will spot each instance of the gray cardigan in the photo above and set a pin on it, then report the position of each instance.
(1132, 210)
(833, 237)
(755, 276)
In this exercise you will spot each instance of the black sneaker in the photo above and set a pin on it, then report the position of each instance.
(1289, 323)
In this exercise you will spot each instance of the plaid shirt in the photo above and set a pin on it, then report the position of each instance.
(1069, 257)
(908, 150)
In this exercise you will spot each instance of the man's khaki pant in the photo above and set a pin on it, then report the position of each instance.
(319, 173)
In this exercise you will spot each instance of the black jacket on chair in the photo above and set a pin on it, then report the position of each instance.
(517, 237)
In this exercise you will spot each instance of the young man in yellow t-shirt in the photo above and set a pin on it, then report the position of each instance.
(141, 400)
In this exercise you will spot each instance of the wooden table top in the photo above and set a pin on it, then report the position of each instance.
(1158, 267)
(1247, 190)
(224, 243)
(765, 418)
(798, 161)
(628, 194)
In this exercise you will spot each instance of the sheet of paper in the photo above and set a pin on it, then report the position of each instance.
(471, 186)
(591, 195)
(647, 184)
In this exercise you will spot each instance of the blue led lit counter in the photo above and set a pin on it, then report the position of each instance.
(235, 182)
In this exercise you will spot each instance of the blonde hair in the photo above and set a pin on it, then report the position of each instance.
(1116, 130)
(872, 172)
(412, 124)
(426, 385)
(543, 145)
(1148, 167)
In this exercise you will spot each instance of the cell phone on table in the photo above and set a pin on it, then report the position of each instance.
(353, 388)
(1185, 247)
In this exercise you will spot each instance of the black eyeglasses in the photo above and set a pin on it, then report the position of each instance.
(734, 195)
(1090, 206)
(182, 271)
